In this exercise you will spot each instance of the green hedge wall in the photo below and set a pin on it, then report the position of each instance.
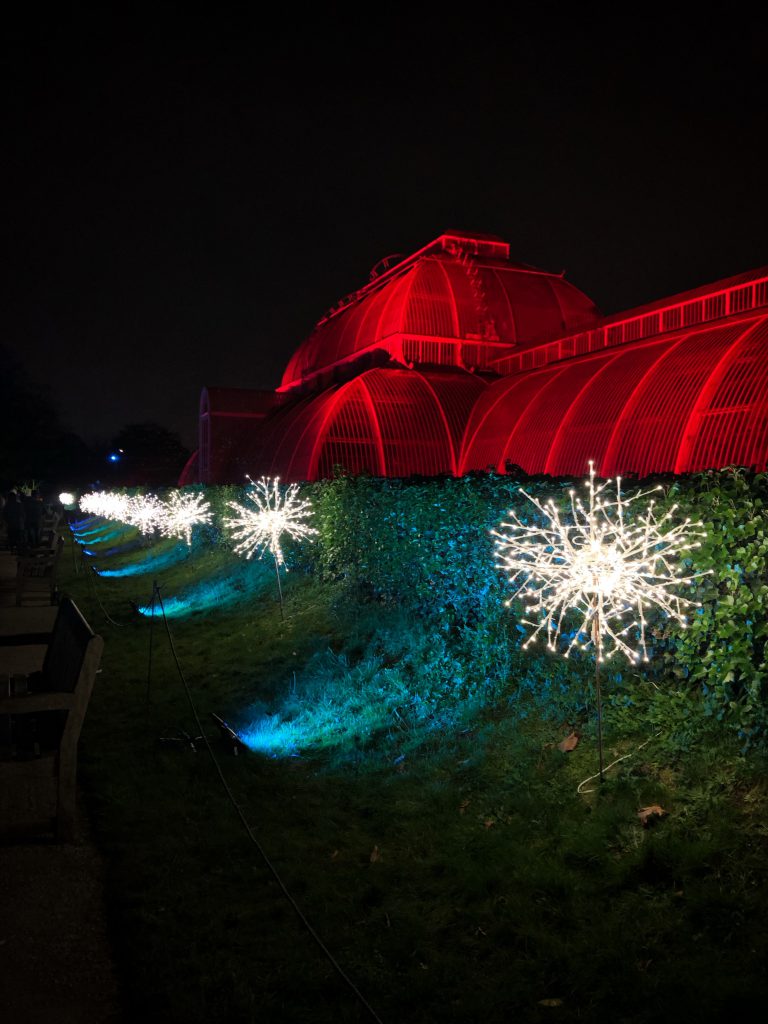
(425, 547)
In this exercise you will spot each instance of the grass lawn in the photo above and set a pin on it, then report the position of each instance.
(440, 850)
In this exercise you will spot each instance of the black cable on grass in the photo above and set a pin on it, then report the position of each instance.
(107, 616)
(72, 542)
(155, 590)
(300, 914)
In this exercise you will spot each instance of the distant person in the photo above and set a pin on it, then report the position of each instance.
(33, 518)
(13, 514)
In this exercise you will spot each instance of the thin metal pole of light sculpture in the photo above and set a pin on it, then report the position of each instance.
(261, 528)
(279, 586)
(603, 568)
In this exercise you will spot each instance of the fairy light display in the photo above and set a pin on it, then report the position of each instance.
(260, 526)
(108, 505)
(181, 512)
(601, 565)
(145, 512)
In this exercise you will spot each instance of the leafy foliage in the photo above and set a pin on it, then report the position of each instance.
(424, 546)
(725, 650)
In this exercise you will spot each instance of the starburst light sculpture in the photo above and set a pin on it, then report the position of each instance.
(259, 527)
(262, 527)
(603, 566)
(109, 505)
(145, 512)
(181, 512)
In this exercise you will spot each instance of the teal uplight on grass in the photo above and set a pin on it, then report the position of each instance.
(119, 549)
(316, 728)
(152, 563)
(239, 586)
(105, 537)
(274, 737)
(94, 532)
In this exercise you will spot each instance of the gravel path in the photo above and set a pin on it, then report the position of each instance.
(55, 960)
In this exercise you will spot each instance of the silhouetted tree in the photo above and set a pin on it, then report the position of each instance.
(149, 454)
(33, 444)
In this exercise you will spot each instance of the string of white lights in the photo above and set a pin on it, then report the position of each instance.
(174, 517)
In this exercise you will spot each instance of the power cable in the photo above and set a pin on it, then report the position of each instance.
(107, 616)
(155, 589)
(602, 771)
(300, 914)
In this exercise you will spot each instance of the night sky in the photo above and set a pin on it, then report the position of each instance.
(186, 197)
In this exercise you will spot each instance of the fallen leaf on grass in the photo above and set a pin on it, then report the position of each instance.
(569, 743)
(334, 855)
(464, 805)
(647, 814)
(550, 1002)
(489, 823)
(375, 855)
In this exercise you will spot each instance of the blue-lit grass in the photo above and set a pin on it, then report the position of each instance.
(134, 544)
(103, 538)
(237, 586)
(118, 549)
(337, 707)
(88, 521)
(90, 536)
(156, 560)
(98, 530)
(410, 688)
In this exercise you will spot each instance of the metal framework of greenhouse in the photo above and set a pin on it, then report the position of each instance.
(457, 358)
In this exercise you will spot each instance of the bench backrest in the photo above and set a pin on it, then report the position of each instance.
(67, 649)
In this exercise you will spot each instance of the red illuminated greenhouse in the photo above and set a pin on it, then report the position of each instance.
(456, 359)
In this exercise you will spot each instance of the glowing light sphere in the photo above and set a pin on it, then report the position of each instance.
(606, 569)
(261, 527)
(67, 498)
(181, 512)
(145, 512)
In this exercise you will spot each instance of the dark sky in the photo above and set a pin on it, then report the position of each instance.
(186, 195)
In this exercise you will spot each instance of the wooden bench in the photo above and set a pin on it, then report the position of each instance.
(41, 716)
(36, 576)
